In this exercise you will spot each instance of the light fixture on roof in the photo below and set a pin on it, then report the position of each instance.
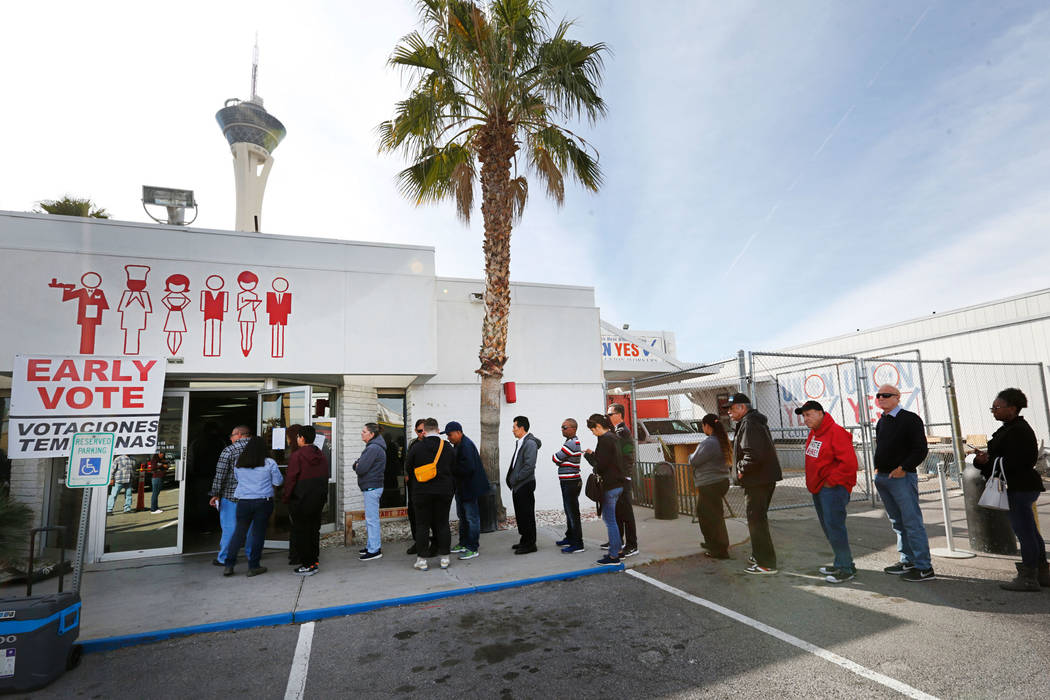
(175, 201)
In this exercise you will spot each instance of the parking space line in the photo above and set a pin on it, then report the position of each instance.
(300, 663)
(852, 666)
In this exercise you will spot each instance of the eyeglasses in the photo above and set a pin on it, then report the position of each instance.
(419, 431)
(565, 427)
(885, 396)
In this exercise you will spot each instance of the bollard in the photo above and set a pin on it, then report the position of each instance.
(665, 500)
(487, 509)
(989, 529)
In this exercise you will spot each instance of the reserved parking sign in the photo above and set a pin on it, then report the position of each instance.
(90, 460)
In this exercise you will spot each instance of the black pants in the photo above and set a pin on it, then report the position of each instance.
(305, 509)
(709, 513)
(758, 498)
(432, 515)
(570, 498)
(625, 518)
(525, 513)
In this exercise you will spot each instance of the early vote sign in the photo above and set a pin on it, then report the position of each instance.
(55, 397)
(90, 460)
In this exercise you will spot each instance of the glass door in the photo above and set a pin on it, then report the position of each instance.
(281, 413)
(144, 506)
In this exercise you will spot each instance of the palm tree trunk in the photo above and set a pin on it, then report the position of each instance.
(495, 149)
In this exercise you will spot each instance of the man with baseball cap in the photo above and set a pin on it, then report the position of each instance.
(758, 471)
(471, 484)
(831, 474)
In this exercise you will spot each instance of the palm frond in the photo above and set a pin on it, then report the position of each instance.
(569, 73)
(519, 195)
(441, 173)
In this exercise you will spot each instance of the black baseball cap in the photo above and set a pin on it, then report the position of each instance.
(809, 406)
(739, 398)
(452, 427)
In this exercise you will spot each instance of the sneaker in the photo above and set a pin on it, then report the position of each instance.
(605, 546)
(307, 570)
(216, 562)
(444, 562)
(256, 571)
(563, 542)
(899, 568)
(751, 559)
(228, 571)
(841, 576)
(363, 550)
(421, 564)
(468, 554)
(628, 552)
(608, 561)
(157, 511)
(717, 555)
(368, 556)
(762, 570)
(458, 549)
(572, 549)
(411, 550)
(914, 574)
(829, 570)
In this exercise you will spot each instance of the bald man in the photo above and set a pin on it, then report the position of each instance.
(900, 447)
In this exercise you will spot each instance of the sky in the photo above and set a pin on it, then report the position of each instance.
(775, 172)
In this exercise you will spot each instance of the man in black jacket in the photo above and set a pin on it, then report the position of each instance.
(471, 484)
(900, 447)
(758, 471)
(432, 498)
(624, 509)
(521, 480)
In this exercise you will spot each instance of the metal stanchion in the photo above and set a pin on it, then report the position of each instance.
(950, 552)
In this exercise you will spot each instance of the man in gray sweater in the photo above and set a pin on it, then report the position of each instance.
(521, 480)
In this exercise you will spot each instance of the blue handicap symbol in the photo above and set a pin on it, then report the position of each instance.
(90, 466)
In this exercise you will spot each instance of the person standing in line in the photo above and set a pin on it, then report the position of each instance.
(607, 461)
(371, 475)
(305, 492)
(123, 476)
(1016, 444)
(568, 461)
(257, 475)
(432, 490)
(432, 547)
(900, 447)
(222, 488)
(471, 484)
(521, 480)
(758, 471)
(624, 507)
(711, 462)
(831, 474)
(158, 469)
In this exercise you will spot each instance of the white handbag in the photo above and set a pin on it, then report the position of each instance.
(994, 495)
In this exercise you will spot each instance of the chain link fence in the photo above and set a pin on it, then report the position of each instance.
(952, 398)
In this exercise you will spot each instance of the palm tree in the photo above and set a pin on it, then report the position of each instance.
(491, 84)
(71, 206)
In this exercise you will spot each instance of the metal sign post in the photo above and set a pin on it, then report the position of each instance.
(950, 552)
(90, 466)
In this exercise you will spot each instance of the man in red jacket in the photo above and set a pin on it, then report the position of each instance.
(831, 474)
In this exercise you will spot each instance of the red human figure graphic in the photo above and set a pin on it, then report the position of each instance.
(175, 301)
(91, 302)
(278, 308)
(134, 307)
(214, 303)
(247, 302)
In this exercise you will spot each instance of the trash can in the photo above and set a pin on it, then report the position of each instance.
(487, 509)
(989, 529)
(665, 498)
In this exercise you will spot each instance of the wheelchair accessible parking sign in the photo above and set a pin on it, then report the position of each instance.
(90, 460)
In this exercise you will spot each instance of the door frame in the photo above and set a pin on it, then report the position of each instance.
(304, 419)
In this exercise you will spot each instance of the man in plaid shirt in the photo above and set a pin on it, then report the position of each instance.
(222, 488)
(123, 473)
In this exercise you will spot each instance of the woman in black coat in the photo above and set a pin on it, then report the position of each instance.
(607, 461)
(1016, 444)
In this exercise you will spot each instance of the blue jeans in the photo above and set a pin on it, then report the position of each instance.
(372, 497)
(228, 523)
(252, 515)
(469, 523)
(157, 485)
(609, 499)
(830, 503)
(1022, 520)
(128, 492)
(901, 498)
(570, 501)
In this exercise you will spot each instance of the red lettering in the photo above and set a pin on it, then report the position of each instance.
(144, 368)
(83, 402)
(49, 402)
(634, 350)
(117, 376)
(67, 370)
(133, 397)
(107, 394)
(95, 369)
(38, 370)
(856, 409)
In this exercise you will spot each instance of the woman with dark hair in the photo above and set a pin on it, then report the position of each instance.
(257, 474)
(1014, 442)
(710, 463)
(606, 459)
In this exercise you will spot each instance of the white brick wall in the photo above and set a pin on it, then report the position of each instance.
(357, 405)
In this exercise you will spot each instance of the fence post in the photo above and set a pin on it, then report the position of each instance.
(1046, 402)
(634, 438)
(922, 385)
(860, 373)
(742, 369)
(960, 459)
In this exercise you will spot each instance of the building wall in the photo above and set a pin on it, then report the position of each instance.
(357, 405)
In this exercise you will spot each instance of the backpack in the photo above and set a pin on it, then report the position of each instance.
(427, 472)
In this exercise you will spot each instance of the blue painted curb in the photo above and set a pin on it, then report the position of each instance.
(91, 646)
